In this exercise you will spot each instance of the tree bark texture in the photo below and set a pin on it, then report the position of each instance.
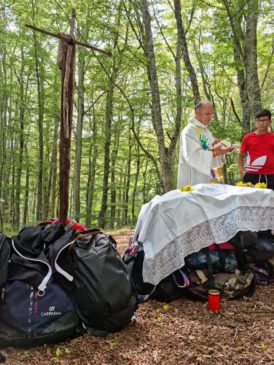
(127, 176)
(107, 142)
(3, 135)
(21, 142)
(165, 153)
(113, 188)
(93, 154)
(26, 192)
(241, 82)
(185, 53)
(243, 22)
(54, 160)
(40, 95)
(250, 53)
(78, 139)
(67, 71)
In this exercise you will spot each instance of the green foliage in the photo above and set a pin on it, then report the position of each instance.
(115, 26)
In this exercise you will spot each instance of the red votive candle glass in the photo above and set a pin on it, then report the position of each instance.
(214, 300)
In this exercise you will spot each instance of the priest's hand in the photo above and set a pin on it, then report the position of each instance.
(219, 151)
(218, 140)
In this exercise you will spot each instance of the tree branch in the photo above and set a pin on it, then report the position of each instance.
(234, 111)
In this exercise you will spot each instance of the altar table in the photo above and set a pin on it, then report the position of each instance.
(176, 224)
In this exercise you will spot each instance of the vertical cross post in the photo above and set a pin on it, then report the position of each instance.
(66, 63)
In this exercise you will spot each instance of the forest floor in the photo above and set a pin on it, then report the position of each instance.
(182, 332)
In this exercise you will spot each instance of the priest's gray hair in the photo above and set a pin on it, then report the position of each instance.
(202, 103)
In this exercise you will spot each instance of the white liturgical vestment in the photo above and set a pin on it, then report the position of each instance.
(195, 158)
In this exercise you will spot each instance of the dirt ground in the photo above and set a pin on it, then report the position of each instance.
(182, 332)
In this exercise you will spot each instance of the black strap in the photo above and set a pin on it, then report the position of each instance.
(211, 283)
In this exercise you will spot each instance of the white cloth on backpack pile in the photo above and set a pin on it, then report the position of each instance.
(177, 223)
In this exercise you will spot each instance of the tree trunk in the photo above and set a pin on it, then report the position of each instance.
(107, 142)
(184, 48)
(21, 142)
(3, 135)
(129, 162)
(113, 184)
(206, 83)
(93, 154)
(250, 56)
(113, 191)
(67, 70)
(26, 190)
(166, 154)
(241, 82)
(243, 22)
(40, 95)
(66, 65)
(78, 138)
(147, 182)
(52, 188)
(12, 191)
(136, 178)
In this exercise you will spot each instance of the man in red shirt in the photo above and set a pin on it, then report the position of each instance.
(256, 158)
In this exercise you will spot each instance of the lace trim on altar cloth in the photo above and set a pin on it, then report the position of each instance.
(216, 230)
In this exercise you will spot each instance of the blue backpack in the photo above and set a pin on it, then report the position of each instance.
(31, 317)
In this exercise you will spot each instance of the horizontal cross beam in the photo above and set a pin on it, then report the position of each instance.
(69, 39)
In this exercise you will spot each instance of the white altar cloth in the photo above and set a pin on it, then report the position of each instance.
(176, 224)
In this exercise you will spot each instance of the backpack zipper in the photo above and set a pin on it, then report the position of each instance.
(58, 268)
(43, 284)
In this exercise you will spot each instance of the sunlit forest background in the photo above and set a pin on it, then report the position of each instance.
(129, 109)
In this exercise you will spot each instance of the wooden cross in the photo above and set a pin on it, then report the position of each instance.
(66, 62)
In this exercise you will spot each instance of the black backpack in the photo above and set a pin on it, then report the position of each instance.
(34, 308)
(244, 239)
(255, 249)
(30, 259)
(85, 263)
(172, 287)
(4, 258)
(133, 258)
(101, 286)
(263, 249)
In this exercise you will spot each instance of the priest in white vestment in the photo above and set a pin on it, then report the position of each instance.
(197, 156)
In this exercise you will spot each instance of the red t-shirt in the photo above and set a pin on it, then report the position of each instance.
(260, 153)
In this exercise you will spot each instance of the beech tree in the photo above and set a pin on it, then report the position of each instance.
(129, 109)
